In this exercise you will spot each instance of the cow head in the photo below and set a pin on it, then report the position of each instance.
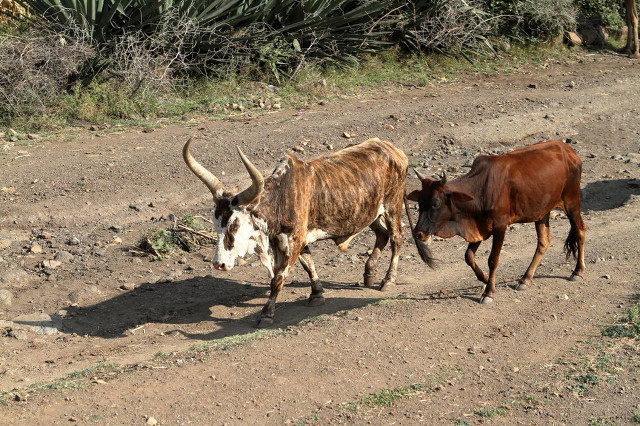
(236, 229)
(436, 204)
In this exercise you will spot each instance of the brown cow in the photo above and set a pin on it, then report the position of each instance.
(333, 197)
(521, 186)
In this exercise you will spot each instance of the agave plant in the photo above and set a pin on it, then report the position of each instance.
(95, 19)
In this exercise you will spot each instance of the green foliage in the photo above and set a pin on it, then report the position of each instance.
(606, 13)
(158, 242)
(531, 20)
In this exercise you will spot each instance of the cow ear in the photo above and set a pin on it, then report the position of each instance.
(458, 196)
(414, 195)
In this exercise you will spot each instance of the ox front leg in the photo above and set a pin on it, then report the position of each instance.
(544, 239)
(395, 226)
(494, 259)
(316, 298)
(382, 237)
(281, 271)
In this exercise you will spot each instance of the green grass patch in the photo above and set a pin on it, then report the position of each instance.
(488, 413)
(109, 102)
(627, 325)
(73, 380)
(636, 416)
(233, 341)
(387, 397)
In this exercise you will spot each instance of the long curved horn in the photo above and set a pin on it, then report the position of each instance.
(420, 175)
(209, 179)
(257, 182)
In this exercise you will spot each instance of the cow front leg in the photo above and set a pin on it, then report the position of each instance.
(281, 270)
(470, 259)
(268, 310)
(316, 298)
(371, 266)
(395, 227)
(494, 259)
(544, 239)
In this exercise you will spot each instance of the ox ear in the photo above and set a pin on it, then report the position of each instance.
(459, 196)
(414, 195)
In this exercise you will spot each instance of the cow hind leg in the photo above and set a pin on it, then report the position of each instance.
(371, 266)
(394, 224)
(544, 239)
(470, 259)
(574, 245)
(316, 298)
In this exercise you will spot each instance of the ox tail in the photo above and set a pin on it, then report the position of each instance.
(571, 244)
(423, 249)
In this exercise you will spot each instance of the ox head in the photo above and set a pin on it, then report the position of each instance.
(236, 231)
(436, 204)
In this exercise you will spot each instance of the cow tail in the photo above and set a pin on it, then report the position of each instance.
(571, 244)
(423, 249)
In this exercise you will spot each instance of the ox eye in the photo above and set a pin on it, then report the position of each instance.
(436, 203)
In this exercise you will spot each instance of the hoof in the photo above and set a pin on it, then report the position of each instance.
(575, 277)
(265, 322)
(387, 286)
(521, 287)
(369, 280)
(315, 301)
(485, 300)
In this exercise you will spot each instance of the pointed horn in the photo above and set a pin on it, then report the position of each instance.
(420, 175)
(443, 180)
(209, 179)
(257, 182)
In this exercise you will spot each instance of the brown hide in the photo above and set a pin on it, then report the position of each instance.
(338, 194)
(518, 187)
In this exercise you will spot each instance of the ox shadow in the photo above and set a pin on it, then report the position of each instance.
(190, 301)
(609, 194)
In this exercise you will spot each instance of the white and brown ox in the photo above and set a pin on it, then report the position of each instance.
(333, 197)
(521, 186)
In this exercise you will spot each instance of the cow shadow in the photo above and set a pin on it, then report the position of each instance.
(609, 194)
(192, 301)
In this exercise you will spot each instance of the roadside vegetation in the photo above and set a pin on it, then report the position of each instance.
(75, 62)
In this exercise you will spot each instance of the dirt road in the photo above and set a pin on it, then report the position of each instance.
(94, 332)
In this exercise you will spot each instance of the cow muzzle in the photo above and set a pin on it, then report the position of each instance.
(221, 266)
(422, 236)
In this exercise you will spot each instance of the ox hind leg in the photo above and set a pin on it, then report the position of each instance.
(382, 238)
(544, 239)
(316, 298)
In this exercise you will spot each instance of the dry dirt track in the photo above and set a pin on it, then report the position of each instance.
(534, 357)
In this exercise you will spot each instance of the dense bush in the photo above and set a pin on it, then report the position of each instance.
(531, 20)
(154, 47)
(604, 13)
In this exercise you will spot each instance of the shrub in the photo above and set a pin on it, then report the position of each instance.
(532, 20)
(36, 67)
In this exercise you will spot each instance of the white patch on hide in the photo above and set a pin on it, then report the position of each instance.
(316, 234)
(244, 239)
(283, 244)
